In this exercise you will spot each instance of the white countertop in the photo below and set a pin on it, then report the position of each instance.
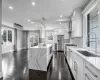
(41, 46)
(94, 61)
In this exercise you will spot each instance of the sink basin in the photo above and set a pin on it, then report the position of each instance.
(88, 54)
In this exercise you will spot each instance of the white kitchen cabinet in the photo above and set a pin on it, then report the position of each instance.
(80, 68)
(68, 54)
(70, 59)
(77, 23)
(90, 72)
(78, 65)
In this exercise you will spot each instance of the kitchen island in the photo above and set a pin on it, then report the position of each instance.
(38, 59)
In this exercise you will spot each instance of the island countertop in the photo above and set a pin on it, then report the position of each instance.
(42, 46)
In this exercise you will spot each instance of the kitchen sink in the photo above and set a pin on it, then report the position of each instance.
(88, 54)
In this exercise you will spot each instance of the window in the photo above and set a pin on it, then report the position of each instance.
(93, 29)
(4, 36)
(9, 36)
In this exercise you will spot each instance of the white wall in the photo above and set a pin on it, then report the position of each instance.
(77, 41)
(59, 29)
(19, 39)
(0, 40)
(25, 39)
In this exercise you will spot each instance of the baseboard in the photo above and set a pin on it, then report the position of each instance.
(1, 74)
(15, 50)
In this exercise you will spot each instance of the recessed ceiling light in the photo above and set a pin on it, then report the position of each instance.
(33, 3)
(29, 20)
(61, 16)
(62, 0)
(60, 22)
(10, 7)
(36, 25)
(32, 22)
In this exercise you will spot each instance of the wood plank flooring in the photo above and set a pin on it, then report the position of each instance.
(59, 69)
(15, 67)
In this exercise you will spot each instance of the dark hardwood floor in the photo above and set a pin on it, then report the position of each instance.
(59, 69)
(15, 67)
(37, 75)
(1, 78)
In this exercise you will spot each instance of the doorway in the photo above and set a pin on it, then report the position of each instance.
(60, 42)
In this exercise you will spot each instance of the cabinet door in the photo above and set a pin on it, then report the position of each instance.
(77, 67)
(71, 59)
(68, 54)
(77, 27)
(73, 27)
(77, 23)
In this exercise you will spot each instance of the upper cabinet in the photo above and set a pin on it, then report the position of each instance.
(77, 23)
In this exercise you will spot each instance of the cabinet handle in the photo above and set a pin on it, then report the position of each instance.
(91, 72)
(75, 66)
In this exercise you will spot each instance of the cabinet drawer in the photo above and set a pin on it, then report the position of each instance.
(90, 69)
(88, 77)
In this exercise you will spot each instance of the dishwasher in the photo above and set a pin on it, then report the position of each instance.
(67, 51)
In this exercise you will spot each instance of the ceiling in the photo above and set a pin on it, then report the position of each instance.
(49, 9)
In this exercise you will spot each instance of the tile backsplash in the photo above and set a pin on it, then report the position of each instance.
(77, 41)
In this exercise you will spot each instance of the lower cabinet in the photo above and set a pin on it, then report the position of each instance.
(80, 68)
(76, 65)
(90, 72)
(70, 59)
